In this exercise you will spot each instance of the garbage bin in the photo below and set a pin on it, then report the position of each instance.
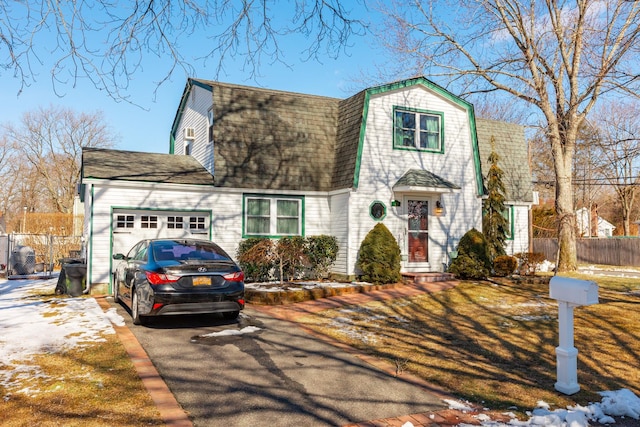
(73, 276)
(22, 260)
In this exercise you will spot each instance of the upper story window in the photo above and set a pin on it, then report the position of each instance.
(419, 130)
(273, 216)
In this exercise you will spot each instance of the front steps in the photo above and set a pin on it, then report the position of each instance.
(418, 278)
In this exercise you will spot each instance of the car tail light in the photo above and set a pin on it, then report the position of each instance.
(238, 276)
(160, 279)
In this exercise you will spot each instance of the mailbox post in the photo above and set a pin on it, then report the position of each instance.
(569, 293)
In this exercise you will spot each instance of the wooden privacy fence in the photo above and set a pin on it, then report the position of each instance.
(608, 251)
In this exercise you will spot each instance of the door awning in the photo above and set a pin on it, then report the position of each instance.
(421, 180)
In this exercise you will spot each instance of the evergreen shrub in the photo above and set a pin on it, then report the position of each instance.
(473, 260)
(379, 256)
(321, 252)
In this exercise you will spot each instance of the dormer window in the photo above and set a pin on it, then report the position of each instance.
(417, 130)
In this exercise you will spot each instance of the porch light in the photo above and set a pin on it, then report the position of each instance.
(439, 208)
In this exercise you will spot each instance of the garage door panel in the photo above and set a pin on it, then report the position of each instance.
(131, 226)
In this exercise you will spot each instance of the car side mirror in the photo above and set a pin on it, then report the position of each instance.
(119, 256)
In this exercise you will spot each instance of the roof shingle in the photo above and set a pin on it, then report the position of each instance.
(109, 164)
(511, 147)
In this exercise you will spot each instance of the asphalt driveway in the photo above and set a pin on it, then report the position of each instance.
(277, 375)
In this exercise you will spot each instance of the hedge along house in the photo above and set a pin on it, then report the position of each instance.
(250, 162)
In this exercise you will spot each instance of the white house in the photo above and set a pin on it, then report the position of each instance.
(247, 161)
(600, 227)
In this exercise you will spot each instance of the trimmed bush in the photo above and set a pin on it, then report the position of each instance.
(321, 252)
(504, 265)
(473, 260)
(379, 257)
(467, 267)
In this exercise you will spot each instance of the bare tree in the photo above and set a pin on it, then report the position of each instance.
(106, 41)
(557, 56)
(618, 153)
(48, 146)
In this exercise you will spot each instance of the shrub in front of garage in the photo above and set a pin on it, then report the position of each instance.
(264, 259)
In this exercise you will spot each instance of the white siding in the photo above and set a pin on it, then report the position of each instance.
(315, 221)
(382, 167)
(520, 241)
(195, 116)
(339, 218)
(225, 208)
(226, 223)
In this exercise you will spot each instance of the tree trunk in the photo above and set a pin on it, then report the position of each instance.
(563, 145)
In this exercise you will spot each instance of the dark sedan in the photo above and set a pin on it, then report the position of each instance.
(178, 276)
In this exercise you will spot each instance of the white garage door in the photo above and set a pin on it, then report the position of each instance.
(132, 225)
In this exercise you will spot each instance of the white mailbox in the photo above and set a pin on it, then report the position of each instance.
(569, 293)
(573, 291)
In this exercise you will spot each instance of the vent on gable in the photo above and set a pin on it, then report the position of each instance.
(189, 133)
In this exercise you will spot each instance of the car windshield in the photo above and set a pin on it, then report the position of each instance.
(188, 251)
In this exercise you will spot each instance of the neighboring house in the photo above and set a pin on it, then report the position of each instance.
(248, 162)
(600, 227)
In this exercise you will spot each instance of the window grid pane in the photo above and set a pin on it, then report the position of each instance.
(196, 223)
(148, 221)
(175, 222)
(257, 225)
(288, 226)
(124, 221)
(258, 207)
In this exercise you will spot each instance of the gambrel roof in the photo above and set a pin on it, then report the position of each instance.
(275, 140)
(267, 139)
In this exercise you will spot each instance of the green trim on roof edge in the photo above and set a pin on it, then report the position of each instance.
(435, 88)
(363, 127)
(476, 150)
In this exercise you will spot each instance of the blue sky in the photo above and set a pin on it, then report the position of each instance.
(146, 127)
